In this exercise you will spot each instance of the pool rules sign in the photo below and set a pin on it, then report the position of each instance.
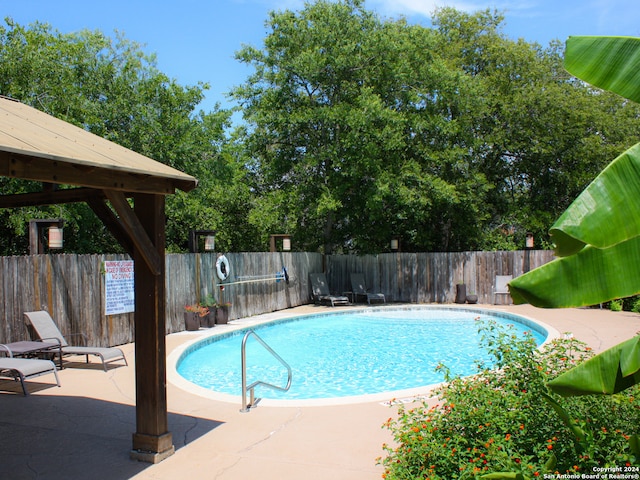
(118, 287)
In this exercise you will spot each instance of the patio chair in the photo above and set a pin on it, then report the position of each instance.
(501, 287)
(360, 290)
(320, 291)
(44, 326)
(23, 368)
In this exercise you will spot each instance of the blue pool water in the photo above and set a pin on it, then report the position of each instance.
(350, 353)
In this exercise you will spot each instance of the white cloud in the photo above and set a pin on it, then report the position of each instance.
(422, 7)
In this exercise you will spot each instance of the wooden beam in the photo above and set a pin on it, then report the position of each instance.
(152, 441)
(132, 223)
(50, 196)
(112, 222)
(59, 171)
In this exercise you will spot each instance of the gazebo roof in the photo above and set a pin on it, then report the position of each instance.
(37, 146)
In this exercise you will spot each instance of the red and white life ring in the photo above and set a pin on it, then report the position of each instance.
(222, 268)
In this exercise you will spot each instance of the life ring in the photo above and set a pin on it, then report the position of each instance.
(222, 268)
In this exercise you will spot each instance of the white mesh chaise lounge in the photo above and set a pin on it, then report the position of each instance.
(359, 289)
(46, 329)
(320, 291)
(23, 368)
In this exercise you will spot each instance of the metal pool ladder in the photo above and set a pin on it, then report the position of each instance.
(245, 387)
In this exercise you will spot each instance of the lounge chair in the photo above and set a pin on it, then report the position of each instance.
(360, 290)
(44, 326)
(23, 368)
(501, 287)
(320, 291)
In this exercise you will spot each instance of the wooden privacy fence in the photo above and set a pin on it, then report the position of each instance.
(72, 287)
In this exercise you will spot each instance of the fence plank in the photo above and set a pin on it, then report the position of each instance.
(71, 287)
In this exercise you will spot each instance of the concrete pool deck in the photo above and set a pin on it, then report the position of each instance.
(83, 429)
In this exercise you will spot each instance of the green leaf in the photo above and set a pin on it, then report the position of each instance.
(550, 464)
(598, 234)
(589, 277)
(610, 63)
(609, 372)
(569, 422)
(634, 444)
(599, 216)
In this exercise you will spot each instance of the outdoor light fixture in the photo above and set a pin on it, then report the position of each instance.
(529, 241)
(55, 237)
(286, 242)
(45, 233)
(528, 246)
(395, 244)
(209, 240)
(209, 243)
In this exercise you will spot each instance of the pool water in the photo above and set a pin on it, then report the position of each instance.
(348, 354)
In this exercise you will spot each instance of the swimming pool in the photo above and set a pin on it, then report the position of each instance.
(348, 354)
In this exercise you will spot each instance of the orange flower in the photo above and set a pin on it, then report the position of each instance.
(507, 437)
(549, 447)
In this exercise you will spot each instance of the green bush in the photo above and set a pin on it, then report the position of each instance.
(499, 421)
(615, 305)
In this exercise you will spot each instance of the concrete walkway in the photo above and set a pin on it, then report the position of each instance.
(84, 428)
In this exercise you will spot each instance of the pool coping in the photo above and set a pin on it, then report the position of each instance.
(384, 398)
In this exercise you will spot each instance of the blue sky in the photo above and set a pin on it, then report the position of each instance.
(195, 40)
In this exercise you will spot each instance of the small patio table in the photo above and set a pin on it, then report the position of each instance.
(26, 348)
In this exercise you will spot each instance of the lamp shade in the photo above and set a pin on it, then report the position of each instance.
(55, 237)
(209, 243)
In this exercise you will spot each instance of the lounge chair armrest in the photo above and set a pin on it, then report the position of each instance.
(52, 340)
(3, 346)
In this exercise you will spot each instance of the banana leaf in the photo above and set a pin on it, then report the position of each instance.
(610, 63)
(609, 372)
(596, 238)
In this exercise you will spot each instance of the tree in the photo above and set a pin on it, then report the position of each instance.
(111, 88)
(454, 137)
(343, 110)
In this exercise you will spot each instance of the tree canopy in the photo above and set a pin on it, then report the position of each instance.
(452, 137)
(355, 128)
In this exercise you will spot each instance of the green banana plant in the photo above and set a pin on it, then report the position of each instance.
(597, 238)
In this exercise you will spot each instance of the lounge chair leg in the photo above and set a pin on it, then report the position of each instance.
(24, 387)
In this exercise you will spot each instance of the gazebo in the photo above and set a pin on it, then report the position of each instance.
(36, 146)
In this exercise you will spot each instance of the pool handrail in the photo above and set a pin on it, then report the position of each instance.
(247, 407)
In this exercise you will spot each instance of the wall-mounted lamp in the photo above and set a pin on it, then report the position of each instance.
(209, 240)
(209, 243)
(286, 242)
(528, 243)
(55, 237)
(38, 241)
(395, 244)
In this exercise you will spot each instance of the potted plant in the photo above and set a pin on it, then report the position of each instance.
(209, 320)
(193, 314)
(222, 312)
(472, 298)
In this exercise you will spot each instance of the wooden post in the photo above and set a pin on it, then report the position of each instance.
(152, 442)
